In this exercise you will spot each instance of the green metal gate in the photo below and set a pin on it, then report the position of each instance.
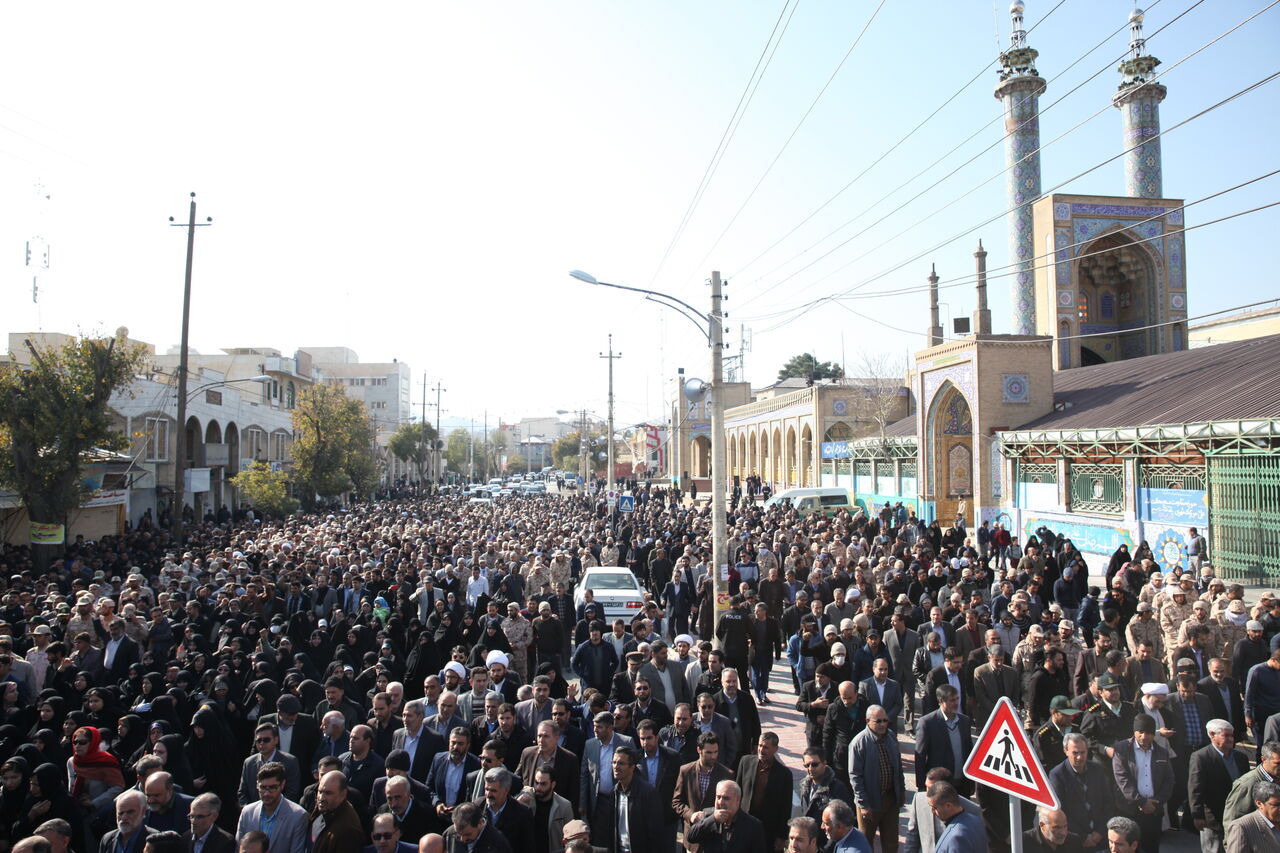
(1244, 515)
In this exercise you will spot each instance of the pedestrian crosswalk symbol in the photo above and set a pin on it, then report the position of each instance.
(1003, 759)
(626, 503)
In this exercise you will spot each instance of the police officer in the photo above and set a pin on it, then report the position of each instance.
(1107, 721)
(1048, 738)
(733, 631)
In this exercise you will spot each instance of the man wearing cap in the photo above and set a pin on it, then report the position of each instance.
(519, 631)
(1048, 738)
(1250, 651)
(1144, 779)
(1145, 628)
(595, 660)
(1176, 611)
(41, 637)
(1107, 720)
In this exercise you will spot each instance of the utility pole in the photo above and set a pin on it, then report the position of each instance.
(180, 455)
(485, 445)
(471, 449)
(422, 438)
(719, 544)
(439, 469)
(584, 448)
(611, 356)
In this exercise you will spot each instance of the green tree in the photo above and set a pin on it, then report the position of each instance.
(806, 366)
(457, 450)
(412, 443)
(53, 412)
(517, 464)
(267, 490)
(333, 445)
(564, 453)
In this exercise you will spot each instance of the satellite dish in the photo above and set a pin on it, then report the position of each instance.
(695, 388)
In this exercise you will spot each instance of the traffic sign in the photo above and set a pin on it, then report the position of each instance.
(627, 503)
(1003, 759)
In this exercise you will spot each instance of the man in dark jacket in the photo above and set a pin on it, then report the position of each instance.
(595, 661)
(511, 818)
(1144, 794)
(771, 804)
(934, 744)
(472, 832)
(638, 822)
(727, 828)
(1084, 791)
(1213, 769)
(342, 831)
(843, 721)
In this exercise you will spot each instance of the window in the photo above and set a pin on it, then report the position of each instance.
(279, 446)
(378, 404)
(157, 439)
(255, 443)
(1107, 305)
(1083, 306)
(290, 395)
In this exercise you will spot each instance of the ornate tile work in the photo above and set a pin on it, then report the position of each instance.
(1016, 387)
(1115, 210)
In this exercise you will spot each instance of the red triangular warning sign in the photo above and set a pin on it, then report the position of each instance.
(1003, 759)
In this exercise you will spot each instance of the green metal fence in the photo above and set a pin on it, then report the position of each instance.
(1244, 515)
(1097, 488)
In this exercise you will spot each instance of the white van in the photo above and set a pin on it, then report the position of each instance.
(829, 502)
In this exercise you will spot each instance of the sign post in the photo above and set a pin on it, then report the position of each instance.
(1003, 759)
(626, 503)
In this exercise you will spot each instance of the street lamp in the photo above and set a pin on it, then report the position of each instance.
(711, 326)
(180, 460)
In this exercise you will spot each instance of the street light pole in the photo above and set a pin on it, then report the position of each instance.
(719, 537)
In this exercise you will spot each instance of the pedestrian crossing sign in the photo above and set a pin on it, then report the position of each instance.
(1003, 759)
(626, 503)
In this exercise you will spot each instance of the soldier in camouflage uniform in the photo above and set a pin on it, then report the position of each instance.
(1068, 642)
(1177, 611)
(1200, 616)
(1144, 628)
(1231, 629)
(519, 631)
(610, 553)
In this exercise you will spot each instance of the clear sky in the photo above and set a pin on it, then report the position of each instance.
(414, 180)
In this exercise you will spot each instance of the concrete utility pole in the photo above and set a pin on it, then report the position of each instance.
(439, 469)
(422, 437)
(719, 543)
(611, 356)
(584, 448)
(180, 440)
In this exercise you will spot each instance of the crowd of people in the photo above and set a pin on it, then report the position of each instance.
(425, 673)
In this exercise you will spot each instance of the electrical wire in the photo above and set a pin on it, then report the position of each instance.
(1221, 219)
(735, 119)
(792, 136)
(806, 307)
(899, 144)
(992, 177)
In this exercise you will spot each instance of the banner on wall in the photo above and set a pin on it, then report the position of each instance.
(1086, 537)
(46, 534)
(1170, 551)
(1189, 507)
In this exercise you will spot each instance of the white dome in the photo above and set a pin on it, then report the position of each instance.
(1017, 7)
(1136, 16)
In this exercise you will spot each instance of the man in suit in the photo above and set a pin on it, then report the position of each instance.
(119, 653)
(951, 672)
(266, 742)
(727, 828)
(546, 750)
(707, 720)
(1224, 694)
(1255, 832)
(530, 712)
(595, 779)
(840, 825)
(472, 832)
(882, 690)
(386, 837)
(415, 738)
(661, 671)
(878, 797)
(167, 808)
(638, 825)
(1084, 790)
(492, 754)
(1145, 667)
(938, 625)
(1212, 771)
(413, 816)
(923, 826)
(131, 832)
(1092, 662)
(1144, 778)
(843, 722)
(1190, 710)
(645, 707)
(902, 645)
(962, 831)
(772, 805)
(299, 733)
(934, 745)
(1240, 800)
(991, 681)
(738, 706)
(689, 799)
(661, 768)
(513, 820)
(677, 598)
(681, 736)
(285, 821)
(205, 836)
(447, 779)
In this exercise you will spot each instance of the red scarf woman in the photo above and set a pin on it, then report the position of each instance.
(90, 764)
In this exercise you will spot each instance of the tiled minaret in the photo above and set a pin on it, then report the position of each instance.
(1019, 92)
(1139, 101)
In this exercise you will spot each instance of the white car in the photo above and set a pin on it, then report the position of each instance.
(616, 590)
